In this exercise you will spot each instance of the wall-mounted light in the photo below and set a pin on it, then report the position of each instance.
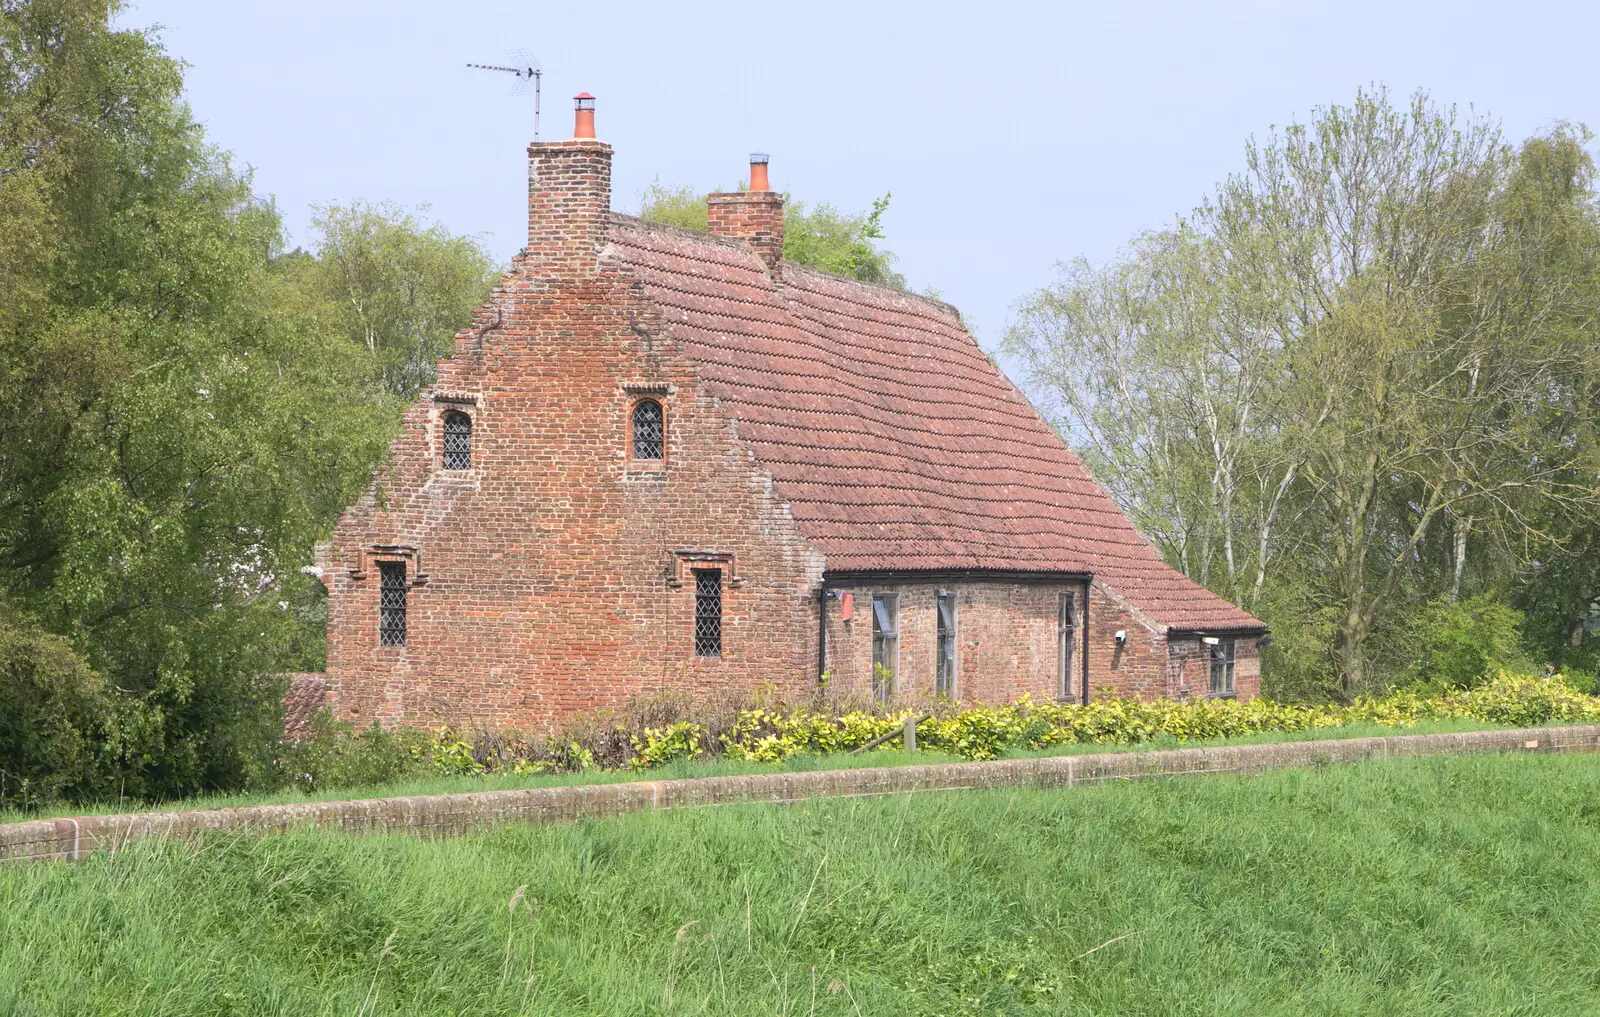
(1210, 640)
(1121, 636)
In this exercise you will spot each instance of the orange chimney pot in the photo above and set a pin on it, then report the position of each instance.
(583, 119)
(758, 172)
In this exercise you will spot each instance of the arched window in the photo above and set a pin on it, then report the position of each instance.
(649, 431)
(457, 440)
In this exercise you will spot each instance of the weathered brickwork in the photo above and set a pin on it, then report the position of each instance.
(545, 580)
(1150, 664)
(1007, 639)
(753, 216)
(555, 574)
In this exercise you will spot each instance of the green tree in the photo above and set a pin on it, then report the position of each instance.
(1358, 379)
(401, 287)
(822, 237)
(54, 713)
(181, 423)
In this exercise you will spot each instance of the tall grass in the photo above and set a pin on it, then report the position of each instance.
(1458, 886)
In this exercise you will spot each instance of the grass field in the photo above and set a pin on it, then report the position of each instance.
(1455, 886)
(890, 756)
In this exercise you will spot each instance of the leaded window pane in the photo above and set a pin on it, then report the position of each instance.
(708, 612)
(648, 431)
(457, 441)
(392, 603)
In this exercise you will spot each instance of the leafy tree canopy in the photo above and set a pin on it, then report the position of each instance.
(186, 409)
(822, 237)
(1360, 378)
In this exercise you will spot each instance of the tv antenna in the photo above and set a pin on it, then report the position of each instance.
(525, 67)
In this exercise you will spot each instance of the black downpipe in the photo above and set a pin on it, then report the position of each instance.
(1086, 584)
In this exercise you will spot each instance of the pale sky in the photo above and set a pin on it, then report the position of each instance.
(1012, 135)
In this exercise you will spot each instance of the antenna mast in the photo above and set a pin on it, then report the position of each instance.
(525, 68)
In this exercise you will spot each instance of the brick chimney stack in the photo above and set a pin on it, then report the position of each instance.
(569, 197)
(755, 215)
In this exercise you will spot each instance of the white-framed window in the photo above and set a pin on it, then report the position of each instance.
(1222, 651)
(944, 644)
(885, 646)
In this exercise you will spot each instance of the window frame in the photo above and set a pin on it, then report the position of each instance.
(885, 644)
(1223, 663)
(708, 645)
(393, 632)
(1066, 648)
(633, 430)
(946, 649)
(446, 420)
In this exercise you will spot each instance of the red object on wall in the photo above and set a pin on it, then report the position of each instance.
(847, 606)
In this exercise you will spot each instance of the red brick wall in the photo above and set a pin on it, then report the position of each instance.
(1006, 640)
(549, 565)
(756, 216)
(1007, 646)
(1136, 667)
(547, 580)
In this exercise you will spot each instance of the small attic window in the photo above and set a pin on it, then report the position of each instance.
(457, 440)
(649, 430)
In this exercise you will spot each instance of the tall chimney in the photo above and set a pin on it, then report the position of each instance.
(569, 197)
(755, 215)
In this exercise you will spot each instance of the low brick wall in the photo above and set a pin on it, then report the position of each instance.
(432, 815)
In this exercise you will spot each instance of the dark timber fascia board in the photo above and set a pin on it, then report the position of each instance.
(884, 577)
(1258, 630)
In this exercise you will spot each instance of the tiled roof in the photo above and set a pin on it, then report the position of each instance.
(896, 442)
(307, 694)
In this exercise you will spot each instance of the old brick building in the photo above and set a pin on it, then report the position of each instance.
(664, 459)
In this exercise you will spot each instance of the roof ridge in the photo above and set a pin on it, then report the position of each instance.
(895, 291)
(627, 221)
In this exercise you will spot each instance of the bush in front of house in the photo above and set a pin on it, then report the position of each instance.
(659, 731)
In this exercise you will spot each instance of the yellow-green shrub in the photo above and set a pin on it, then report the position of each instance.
(771, 734)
